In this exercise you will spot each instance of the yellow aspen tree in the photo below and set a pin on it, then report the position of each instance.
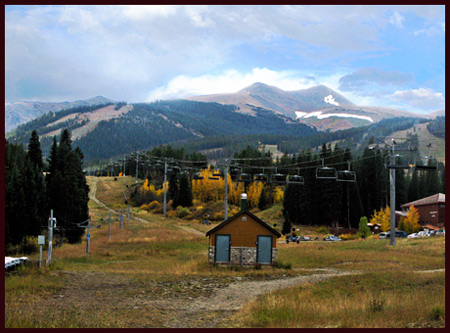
(385, 219)
(411, 221)
(254, 191)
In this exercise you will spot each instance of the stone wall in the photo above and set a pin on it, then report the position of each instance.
(241, 255)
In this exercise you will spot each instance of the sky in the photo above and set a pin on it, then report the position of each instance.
(385, 56)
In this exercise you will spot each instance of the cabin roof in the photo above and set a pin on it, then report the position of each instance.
(253, 216)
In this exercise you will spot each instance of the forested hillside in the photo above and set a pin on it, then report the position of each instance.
(153, 124)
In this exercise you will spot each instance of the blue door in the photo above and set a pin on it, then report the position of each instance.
(222, 248)
(264, 250)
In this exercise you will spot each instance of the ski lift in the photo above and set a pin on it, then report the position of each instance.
(218, 173)
(346, 175)
(197, 176)
(245, 178)
(260, 177)
(278, 178)
(296, 179)
(424, 167)
(397, 166)
(325, 172)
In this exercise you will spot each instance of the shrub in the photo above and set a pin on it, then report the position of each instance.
(218, 216)
(323, 230)
(182, 211)
(172, 213)
(347, 236)
(436, 312)
(282, 265)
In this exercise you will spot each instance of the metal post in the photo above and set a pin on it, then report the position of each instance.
(88, 237)
(392, 188)
(50, 238)
(40, 255)
(109, 227)
(137, 163)
(226, 191)
(165, 189)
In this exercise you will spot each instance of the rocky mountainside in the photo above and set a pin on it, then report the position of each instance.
(278, 100)
(18, 113)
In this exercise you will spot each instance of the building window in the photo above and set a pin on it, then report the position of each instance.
(244, 218)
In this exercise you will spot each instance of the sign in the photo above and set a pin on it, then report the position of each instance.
(88, 236)
(41, 240)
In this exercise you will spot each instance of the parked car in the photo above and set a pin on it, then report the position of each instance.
(384, 235)
(290, 238)
(304, 239)
(413, 235)
(332, 238)
(440, 232)
(400, 234)
(424, 233)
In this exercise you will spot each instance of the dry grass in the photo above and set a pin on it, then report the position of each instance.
(142, 254)
(372, 300)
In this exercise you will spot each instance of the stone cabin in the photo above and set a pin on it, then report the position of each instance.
(243, 239)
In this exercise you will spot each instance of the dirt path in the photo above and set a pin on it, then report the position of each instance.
(92, 196)
(191, 302)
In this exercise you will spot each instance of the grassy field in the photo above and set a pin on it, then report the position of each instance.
(149, 273)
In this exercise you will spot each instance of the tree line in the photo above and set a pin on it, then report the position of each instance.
(34, 187)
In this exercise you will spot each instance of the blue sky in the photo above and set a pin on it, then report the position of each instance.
(387, 56)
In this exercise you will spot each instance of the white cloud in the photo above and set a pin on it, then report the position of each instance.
(228, 82)
(397, 20)
(422, 98)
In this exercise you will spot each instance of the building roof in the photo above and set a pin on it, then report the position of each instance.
(434, 199)
(253, 216)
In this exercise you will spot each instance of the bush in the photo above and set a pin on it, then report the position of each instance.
(323, 230)
(28, 245)
(150, 206)
(218, 216)
(182, 212)
(282, 265)
(436, 312)
(347, 236)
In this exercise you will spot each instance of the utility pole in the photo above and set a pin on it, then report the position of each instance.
(50, 238)
(109, 227)
(165, 188)
(124, 159)
(88, 240)
(226, 190)
(392, 188)
(137, 162)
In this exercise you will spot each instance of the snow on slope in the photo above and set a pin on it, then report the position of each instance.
(319, 115)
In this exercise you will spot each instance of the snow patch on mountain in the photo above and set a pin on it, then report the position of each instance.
(330, 100)
(319, 115)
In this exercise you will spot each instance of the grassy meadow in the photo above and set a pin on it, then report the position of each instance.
(393, 286)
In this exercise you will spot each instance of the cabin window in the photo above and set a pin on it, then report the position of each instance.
(244, 218)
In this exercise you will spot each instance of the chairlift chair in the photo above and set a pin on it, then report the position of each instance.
(197, 176)
(218, 173)
(245, 178)
(326, 173)
(346, 176)
(278, 178)
(296, 179)
(260, 177)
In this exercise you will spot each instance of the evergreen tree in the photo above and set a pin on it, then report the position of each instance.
(262, 202)
(413, 189)
(67, 188)
(184, 196)
(34, 150)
